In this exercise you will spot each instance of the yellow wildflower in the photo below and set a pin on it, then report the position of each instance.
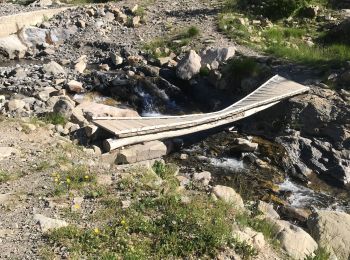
(68, 180)
(76, 206)
(56, 179)
(123, 222)
(86, 177)
(97, 231)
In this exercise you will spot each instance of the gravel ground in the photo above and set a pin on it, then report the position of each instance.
(9, 9)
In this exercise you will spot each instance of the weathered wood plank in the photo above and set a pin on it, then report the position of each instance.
(277, 88)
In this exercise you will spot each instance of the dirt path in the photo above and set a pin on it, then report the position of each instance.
(27, 184)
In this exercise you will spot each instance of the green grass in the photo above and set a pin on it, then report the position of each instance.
(272, 9)
(55, 118)
(261, 225)
(244, 67)
(328, 55)
(192, 32)
(157, 225)
(320, 254)
(6, 176)
(156, 228)
(172, 42)
(286, 42)
(77, 178)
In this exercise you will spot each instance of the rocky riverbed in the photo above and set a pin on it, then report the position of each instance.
(96, 60)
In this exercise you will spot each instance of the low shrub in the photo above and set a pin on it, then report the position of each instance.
(272, 9)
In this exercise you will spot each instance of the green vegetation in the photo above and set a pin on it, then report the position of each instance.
(300, 40)
(7, 176)
(320, 254)
(4, 176)
(272, 9)
(244, 67)
(158, 224)
(76, 178)
(162, 47)
(55, 118)
(261, 225)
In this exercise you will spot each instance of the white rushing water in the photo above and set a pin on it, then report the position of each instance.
(229, 163)
(149, 104)
(149, 108)
(151, 114)
(302, 197)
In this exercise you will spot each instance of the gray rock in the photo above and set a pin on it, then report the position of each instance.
(215, 56)
(19, 73)
(116, 59)
(42, 3)
(136, 21)
(100, 110)
(33, 36)
(189, 66)
(54, 68)
(7, 152)
(63, 107)
(80, 64)
(142, 152)
(12, 47)
(183, 181)
(60, 129)
(294, 240)
(44, 95)
(251, 237)
(267, 210)
(228, 195)
(203, 177)
(183, 156)
(81, 23)
(75, 86)
(109, 16)
(15, 104)
(331, 230)
(2, 101)
(312, 155)
(243, 145)
(47, 224)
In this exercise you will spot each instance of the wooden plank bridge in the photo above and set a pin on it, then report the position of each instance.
(132, 130)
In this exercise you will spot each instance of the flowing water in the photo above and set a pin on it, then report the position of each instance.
(304, 197)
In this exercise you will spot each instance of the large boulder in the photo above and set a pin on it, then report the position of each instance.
(189, 66)
(331, 230)
(47, 224)
(142, 152)
(215, 56)
(228, 195)
(294, 240)
(33, 36)
(93, 109)
(75, 86)
(243, 145)
(12, 47)
(251, 237)
(339, 33)
(53, 68)
(313, 129)
(15, 104)
(64, 106)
